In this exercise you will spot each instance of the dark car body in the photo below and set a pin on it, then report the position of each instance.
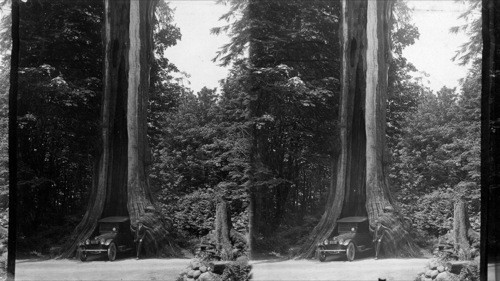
(114, 237)
(353, 237)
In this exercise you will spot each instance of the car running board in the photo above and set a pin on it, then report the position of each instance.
(124, 249)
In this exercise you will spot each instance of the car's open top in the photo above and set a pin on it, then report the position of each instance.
(353, 219)
(114, 219)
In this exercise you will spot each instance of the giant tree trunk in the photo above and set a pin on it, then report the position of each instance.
(251, 221)
(253, 190)
(490, 138)
(120, 177)
(361, 187)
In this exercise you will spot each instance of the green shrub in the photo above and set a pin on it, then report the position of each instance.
(285, 238)
(470, 272)
(237, 271)
(195, 212)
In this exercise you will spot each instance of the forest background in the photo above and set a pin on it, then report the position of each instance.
(200, 140)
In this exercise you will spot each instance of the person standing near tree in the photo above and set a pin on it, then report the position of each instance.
(140, 233)
(378, 235)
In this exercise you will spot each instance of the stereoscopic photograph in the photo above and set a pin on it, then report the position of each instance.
(247, 140)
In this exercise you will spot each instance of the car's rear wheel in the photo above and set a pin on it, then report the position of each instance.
(351, 251)
(112, 251)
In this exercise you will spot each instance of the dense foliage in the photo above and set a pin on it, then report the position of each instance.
(58, 110)
(294, 54)
(292, 86)
(436, 157)
(433, 138)
(436, 161)
(197, 160)
(195, 139)
(278, 107)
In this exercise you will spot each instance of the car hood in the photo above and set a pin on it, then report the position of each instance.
(345, 236)
(106, 236)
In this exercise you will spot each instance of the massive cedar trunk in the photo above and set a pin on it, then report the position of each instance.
(361, 187)
(490, 137)
(254, 158)
(251, 222)
(120, 185)
(253, 189)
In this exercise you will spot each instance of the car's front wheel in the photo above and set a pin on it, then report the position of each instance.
(112, 251)
(321, 256)
(83, 256)
(351, 251)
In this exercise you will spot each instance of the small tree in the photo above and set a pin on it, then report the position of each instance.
(461, 230)
(223, 229)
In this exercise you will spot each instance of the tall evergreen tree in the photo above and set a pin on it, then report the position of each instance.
(121, 185)
(362, 183)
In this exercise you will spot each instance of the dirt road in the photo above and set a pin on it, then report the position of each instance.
(101, 269)
(168, 269)
(364, 269)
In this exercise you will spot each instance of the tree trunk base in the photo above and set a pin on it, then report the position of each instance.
(158, 241)
(397, 241)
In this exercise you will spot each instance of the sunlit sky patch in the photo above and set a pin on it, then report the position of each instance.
(431, 54)
(193, 54)
(434, 50)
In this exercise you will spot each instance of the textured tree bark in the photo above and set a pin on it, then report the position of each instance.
(377, 52)
(251, 223)
(461, 226)
(490, 137)
(120, 181)
(223, 230)
(254, 158)
(254, 197)
(361, 188)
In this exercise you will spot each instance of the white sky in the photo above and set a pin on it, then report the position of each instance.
(194, 52)
(431, 54)
(434, 50)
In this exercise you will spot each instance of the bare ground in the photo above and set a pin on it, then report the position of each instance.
(268, 269)
(338, 269)
(100, 269)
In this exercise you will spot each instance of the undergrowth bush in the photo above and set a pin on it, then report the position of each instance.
(237, 271)
(194, 213)
(284, 239)
(45, 238)
(470, 272)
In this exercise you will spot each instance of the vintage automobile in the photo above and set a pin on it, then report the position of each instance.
(353, 237)
(114, 237)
